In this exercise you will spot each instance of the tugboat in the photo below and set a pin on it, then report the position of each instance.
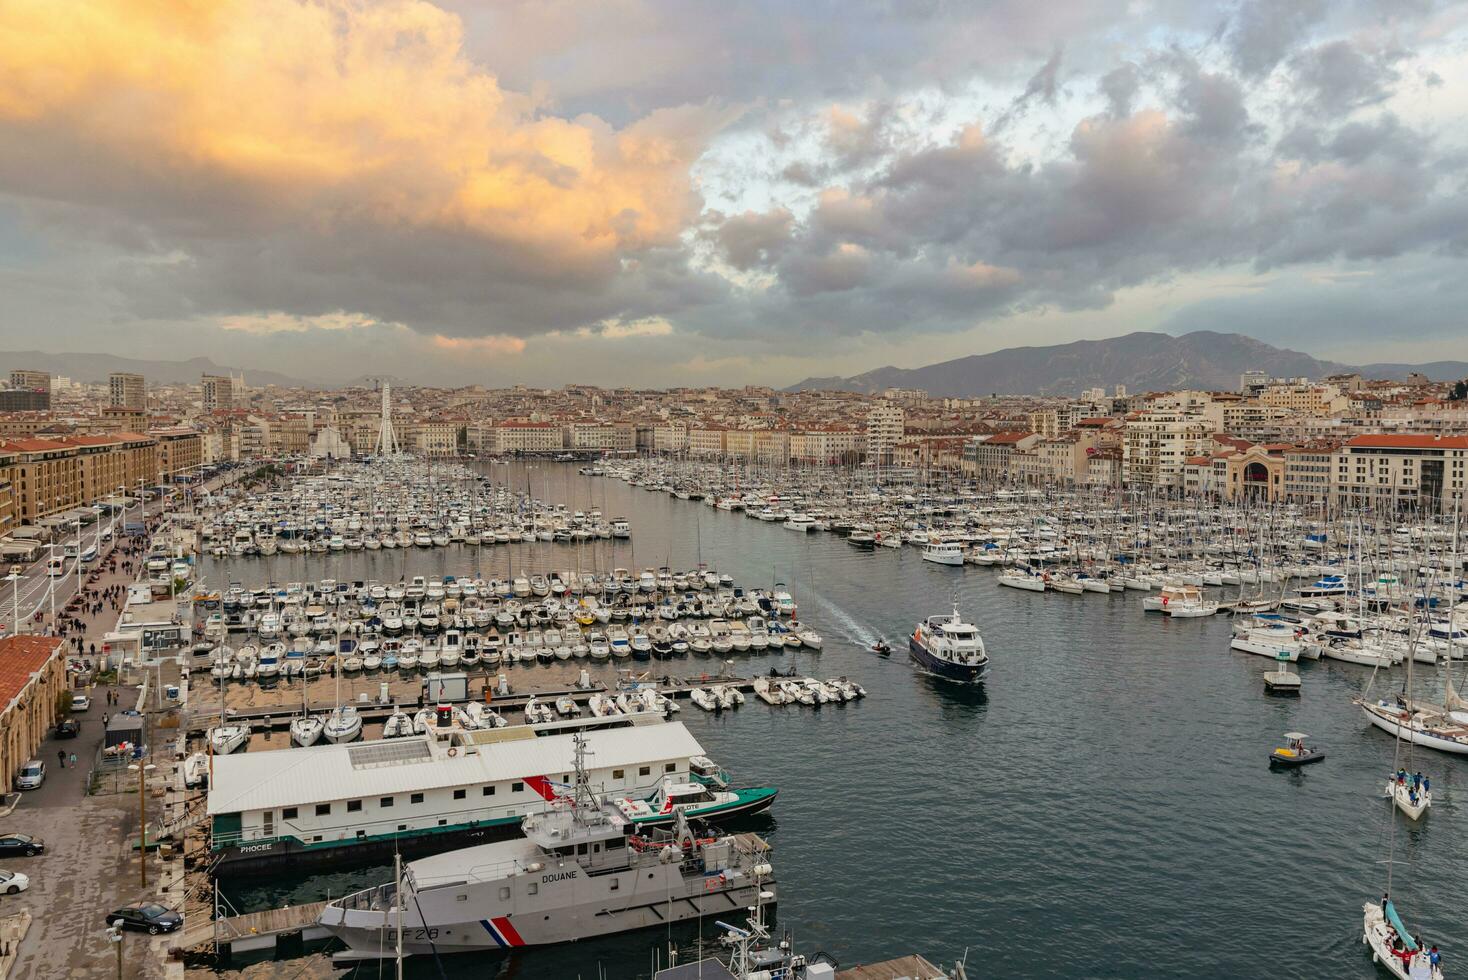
(579, 871)
(948, 647)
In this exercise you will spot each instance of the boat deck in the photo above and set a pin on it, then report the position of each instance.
(911, 967)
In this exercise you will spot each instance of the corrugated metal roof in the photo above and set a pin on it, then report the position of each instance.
(321, 774)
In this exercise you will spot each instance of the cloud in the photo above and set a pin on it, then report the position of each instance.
(479, 345)
(270, 323)
(568, 187)
(329, 153)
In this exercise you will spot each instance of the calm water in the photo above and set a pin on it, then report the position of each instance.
(1101, 808)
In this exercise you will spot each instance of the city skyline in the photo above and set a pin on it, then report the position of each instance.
(657, 195)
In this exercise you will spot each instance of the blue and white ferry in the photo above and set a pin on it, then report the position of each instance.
(948, 647)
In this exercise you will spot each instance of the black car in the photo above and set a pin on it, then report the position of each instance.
(68, 728)
(150, 917)
(12, 844)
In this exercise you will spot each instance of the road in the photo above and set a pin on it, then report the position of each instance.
(31, 594)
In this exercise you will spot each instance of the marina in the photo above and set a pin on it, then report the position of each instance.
(1172, 668)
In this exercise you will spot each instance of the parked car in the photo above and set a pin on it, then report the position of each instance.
(11, 844)
(80, 702)
(32, 775)
(13, 882)
(68, 728)
(149, 917)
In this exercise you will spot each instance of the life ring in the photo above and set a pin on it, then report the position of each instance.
(1165, 600)
(453, 751)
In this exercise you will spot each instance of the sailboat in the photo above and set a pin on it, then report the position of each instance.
(227, 737)
(306, 729)
(343, 724)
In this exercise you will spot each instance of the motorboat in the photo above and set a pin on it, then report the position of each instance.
(1295, 752)
(695, 801)
(947, 647)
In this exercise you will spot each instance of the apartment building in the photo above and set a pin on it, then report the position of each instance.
(988, 457)
(127, 391)
(528, 437)
(706, 441)
(1307, 472)
(218, 392)
(884, 430)
(47, 478)
(618, 437)
(828, 444)
(1389, 471)
(8, 520)
(670, 437)
(1155, 445)
(30, 380)
(180, 451)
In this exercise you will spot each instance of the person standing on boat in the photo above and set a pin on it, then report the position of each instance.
(1435, 959)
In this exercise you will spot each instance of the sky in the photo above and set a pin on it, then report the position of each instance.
(699, 192)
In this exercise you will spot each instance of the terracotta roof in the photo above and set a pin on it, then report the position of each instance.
(20, 658)
(1409, 440)
(1008, 437)
(35, 445)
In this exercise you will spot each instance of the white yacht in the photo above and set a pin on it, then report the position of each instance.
(943, 552)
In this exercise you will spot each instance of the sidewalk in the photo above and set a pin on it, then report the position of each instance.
(13, 928)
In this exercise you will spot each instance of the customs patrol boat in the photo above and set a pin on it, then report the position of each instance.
(581, 870)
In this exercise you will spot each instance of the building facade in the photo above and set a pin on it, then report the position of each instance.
(127, 391)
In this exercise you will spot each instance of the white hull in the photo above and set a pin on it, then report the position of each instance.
(1264, 649)
(1388, 723)
(1030, 583)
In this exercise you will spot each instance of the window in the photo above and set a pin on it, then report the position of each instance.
(323, 809)
(489, 791)
(385, 802)
(533, 888)
(645, 771)
(354, 806)
(289, 813)
(516, 787)
(416, 798)
(459, 794)
(619, 773)
(669, 767)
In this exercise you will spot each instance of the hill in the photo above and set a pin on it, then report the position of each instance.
(96, 367)
(1141, 361)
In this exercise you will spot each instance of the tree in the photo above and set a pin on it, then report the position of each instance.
(1459, 392)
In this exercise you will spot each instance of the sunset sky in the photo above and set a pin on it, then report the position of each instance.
(691, 192)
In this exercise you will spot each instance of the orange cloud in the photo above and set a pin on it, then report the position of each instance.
(335, 109)
(479, 345)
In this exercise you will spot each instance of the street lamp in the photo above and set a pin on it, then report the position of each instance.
(14, 579)
(114, 936)
(142, 769)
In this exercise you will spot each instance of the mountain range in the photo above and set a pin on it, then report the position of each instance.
(1141, 361)
(90, 368)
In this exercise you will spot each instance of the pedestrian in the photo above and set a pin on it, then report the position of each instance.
(61, 758)
(72, 759)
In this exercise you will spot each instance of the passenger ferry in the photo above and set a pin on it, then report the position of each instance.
(423, 794)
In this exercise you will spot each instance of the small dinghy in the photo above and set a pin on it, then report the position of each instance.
(882, 647)
(1296, 753)
(398, 725)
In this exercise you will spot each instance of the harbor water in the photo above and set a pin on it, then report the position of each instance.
(1101, 807)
